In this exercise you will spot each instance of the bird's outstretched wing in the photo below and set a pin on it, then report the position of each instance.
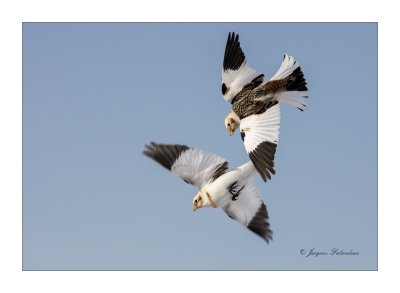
(194, 166)
(260, 135)
(249, 209)
(236, 72)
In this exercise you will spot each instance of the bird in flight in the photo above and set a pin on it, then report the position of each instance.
(232, 191)
(253, 101)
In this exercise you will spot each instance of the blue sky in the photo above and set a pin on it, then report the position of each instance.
(94, 94)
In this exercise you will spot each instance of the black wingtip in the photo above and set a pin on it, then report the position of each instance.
(263, 159)
(164, 154)
(260, 224)
(234, 56)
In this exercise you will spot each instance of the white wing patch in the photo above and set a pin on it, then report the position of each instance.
(196, 166)
(250, 210)
(244, 208)
(235, 80)
(261, 127)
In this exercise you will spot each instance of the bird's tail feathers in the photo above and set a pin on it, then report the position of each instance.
(294, 98)
(296, 91)
(287, 67)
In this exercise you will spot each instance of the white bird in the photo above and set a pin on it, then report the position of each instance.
(244, 88)
(231, 191)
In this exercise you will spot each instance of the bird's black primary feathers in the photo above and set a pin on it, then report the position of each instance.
(234, 56)
(260, 225)
(165, 154)
(263, 159)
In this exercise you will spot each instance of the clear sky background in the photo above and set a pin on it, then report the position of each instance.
(94, 94)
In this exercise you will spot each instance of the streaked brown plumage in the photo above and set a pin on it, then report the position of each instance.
(255, 98)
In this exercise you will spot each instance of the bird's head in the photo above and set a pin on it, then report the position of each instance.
(202, 199)
(232, 122)
(198, 201)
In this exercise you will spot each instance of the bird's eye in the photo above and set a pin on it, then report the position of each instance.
(195, 201)
(229, 125)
